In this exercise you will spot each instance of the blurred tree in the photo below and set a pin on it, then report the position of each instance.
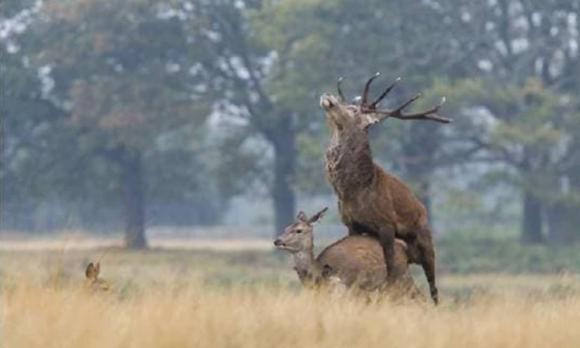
(355, 41)
(509, 43)
(120, 70)
(28, 122)
(256, 82)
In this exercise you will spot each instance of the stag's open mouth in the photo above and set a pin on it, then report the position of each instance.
(326, 101)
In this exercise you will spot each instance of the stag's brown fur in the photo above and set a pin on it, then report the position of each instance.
(372, 200)
(354, 261)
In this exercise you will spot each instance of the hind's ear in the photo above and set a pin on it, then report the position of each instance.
(97, 269)
(91, 272)
(314, 219)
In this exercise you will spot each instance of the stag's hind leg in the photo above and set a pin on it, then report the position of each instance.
(427, 258)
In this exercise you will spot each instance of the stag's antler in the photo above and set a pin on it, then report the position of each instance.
(429, 114)
(340, 94)
(365, 95)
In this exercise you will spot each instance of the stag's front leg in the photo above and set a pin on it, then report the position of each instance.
(352, 227)
(387, 238)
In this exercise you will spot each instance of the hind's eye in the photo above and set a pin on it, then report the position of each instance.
(298, 231)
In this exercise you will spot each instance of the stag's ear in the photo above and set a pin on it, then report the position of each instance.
(314, 219)
(302, 217)
(97, 269)
(370, 119)
(91, 272)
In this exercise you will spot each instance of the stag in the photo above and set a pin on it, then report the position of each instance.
(372, 200)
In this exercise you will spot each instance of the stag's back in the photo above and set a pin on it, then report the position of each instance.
(359, 259)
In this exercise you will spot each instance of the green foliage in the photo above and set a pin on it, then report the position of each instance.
(121, 73)
(88, 77)
(112, 77)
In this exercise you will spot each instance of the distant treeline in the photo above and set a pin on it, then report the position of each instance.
(124, 112)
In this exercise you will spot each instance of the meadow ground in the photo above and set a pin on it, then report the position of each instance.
(241, 294)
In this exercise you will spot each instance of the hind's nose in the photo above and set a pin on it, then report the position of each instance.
(278, 242)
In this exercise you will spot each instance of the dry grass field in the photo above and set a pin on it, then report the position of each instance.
(228, 297)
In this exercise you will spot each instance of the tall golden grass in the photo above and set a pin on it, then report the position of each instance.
(163, 299)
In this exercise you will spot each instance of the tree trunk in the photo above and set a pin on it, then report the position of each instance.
(531, 225)
(132, 190)
(564, 215)
(283, 196)
(564, 224)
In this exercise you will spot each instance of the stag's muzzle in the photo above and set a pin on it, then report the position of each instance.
(327, 101)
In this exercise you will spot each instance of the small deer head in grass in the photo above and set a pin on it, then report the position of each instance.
(92, 281)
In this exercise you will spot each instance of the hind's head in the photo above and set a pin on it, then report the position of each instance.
(299, 236)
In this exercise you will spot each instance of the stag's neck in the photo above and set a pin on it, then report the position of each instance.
(349, 162)
(308, 268)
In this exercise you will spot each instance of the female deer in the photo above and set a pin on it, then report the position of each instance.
(355, 260)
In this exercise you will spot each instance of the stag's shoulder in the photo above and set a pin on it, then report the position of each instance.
(407, 204)
(385, 178)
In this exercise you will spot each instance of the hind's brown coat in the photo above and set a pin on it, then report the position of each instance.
(359, 260)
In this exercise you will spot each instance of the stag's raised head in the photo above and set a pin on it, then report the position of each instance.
(362, 114)
(299, 236)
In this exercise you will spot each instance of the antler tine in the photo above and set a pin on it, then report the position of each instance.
(340, 94)
(387, 91)
(407, 103)
(429, 114)
(365, 95)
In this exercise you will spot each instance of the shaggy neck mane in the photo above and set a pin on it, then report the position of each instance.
(349, 162)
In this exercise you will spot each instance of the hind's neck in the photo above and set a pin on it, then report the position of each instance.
(308, 269)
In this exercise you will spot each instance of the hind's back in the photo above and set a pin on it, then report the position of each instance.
(360, 259)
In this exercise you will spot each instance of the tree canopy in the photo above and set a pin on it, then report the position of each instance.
(149, 107)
